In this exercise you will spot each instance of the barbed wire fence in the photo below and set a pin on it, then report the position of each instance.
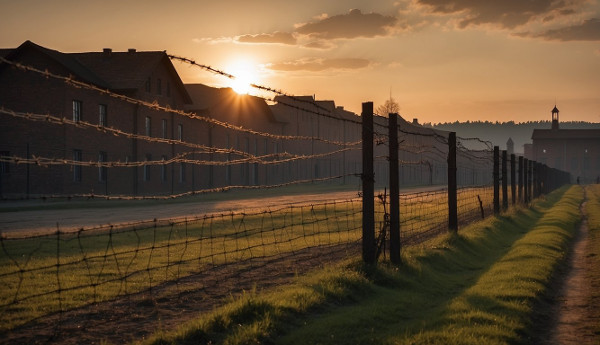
(81, 283)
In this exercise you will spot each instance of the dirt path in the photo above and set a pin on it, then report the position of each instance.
(44, 221)
(29, 222)
(572, 317)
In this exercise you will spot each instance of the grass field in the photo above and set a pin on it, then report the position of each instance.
(593, 250)
(475, 287)
(43, 275)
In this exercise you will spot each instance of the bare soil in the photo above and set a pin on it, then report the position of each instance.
(165, 307)
(571, 313)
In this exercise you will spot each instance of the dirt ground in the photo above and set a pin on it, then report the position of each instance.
(167, 306)
(26, 222)
(571, 313)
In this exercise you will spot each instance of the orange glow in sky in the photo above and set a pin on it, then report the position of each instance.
(245, 75)
(444, 60)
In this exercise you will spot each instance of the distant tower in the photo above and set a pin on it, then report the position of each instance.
(510, 147)
(555, 117)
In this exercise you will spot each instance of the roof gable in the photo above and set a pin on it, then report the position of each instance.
(130, 70)
(109, 70)
(75, 68)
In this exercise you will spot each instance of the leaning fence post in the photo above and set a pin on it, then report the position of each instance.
(504, 182)
(496, 175)
(368, 180)
(394, 190)
(513, 186)
(452, 202)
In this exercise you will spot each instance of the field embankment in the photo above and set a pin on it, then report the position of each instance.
(475, 287)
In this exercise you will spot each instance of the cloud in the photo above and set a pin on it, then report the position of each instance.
(320, 44)
(210, 40)
(507, 14)
(317, 65)
(276, 37)
(589, 30)
(351, 25)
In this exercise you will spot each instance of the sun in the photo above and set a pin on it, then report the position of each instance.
(245, 74)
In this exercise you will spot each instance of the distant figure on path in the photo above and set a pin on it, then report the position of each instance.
(598, 180)
(577, 179)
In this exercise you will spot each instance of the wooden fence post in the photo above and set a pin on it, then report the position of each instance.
(504, 181)
(496, 175)
(520, 172)
(530, 181)
(525, 180)
(395, 244)
(513, 185)
(368, 180)
(535, 176)
(452, 202)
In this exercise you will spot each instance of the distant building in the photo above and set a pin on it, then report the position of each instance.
(510, 147)
(104, 141)
(576, 151)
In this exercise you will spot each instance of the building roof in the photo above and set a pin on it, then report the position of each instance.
(219, 101)
(75, 67)
(566, 134)
(111, 70)
(5, 52)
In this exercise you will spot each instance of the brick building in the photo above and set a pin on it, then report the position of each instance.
(576, 151)
(148, 76)
(216, 135)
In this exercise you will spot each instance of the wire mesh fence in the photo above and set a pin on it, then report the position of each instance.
(74, 286)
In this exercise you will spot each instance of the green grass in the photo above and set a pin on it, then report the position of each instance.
(477, 287)
(97, 266)
(593, 249)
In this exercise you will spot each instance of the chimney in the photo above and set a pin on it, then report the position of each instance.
(131, 50)
(106, 52)
(415, 121)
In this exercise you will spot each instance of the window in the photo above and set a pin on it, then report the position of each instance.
(163, 170)
(168, 89)
(164, 129)
(147, 168)
(180, 132)
(158, 87)
(4, 167)
(148, 85)
(181, 172)
(77, 157)
(102, 171)
(102, 115)
(148, 125)
(77, 111)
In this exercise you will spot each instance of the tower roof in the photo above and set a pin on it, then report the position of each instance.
(555, 110)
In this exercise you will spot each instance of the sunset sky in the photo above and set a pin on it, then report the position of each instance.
(442, 60)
